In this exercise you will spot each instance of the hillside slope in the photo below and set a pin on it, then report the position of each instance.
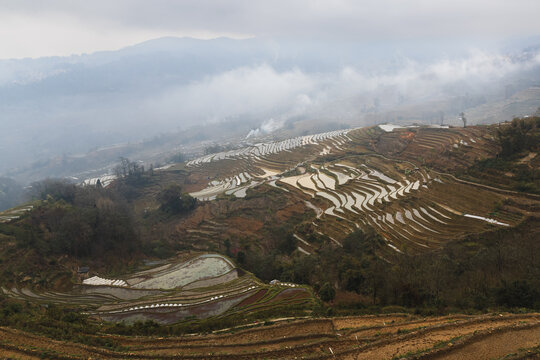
(364, 219)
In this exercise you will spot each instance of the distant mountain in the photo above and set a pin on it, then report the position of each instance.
(64, 106)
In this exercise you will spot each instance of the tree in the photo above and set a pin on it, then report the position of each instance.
(520, 135)
(80, 221)
(241, 257)
(287, 244)
(327, 292)
(129, 169)
(174, 201)
(227, 244)
(177, 158)
(58, 189)
(517, 294)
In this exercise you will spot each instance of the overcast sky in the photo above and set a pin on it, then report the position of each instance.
(35, 28)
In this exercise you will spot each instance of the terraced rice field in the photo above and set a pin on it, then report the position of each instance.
(260, 163)
(14, 213)
(363, 337)
(105, 180)
(410, 207)
(265, 149)
(464, 145)
(413, 207)
(203, 286)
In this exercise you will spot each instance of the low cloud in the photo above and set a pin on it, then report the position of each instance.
(271, 96)
(246, 91)
(262, 97)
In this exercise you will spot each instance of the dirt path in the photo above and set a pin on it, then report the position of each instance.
(496, 346)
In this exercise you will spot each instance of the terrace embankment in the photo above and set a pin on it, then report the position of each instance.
(205, 285)
(365, 337)
(395, 180)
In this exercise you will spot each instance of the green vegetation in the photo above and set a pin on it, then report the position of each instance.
(89, 224)
(173, 201)
(491, 270)
(521, 135)
(513, 168)
(60, 323)
(76, 221)
(353, 266)
(519, 293)
(327, 292)
(507, 172)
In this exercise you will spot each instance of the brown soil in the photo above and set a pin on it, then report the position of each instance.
(403, 326)
(368, 321)
(362, 337)
(244, 225)
(291, 210)
(8, 354)
(497, 346)
(428, 338)
(253, 299)
(344, 297)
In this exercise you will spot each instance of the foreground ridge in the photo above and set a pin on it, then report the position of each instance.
(360, 337)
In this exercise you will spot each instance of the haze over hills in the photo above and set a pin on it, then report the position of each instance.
(62, 107)
(293, 179)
